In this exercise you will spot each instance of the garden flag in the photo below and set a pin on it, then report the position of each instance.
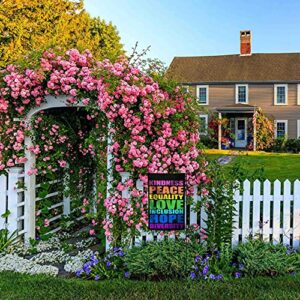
(166, 201)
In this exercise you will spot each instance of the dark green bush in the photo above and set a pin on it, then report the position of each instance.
(292, 145)
(162, 260)
(208, 142)
(286, 145)
(279, 145)
(264, 259)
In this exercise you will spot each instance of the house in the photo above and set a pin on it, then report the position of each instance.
(236, 85)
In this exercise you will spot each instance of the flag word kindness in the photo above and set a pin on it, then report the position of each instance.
(166, 201)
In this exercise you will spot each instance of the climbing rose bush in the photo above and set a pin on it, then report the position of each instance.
(152, 129)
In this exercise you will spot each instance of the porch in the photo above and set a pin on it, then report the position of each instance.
(242, 127)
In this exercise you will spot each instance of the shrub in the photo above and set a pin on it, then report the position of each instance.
(208, 142)
(161, 260)
(292, 145)
(286, 145)
(264, 130)
(218, 200)
(265, 259)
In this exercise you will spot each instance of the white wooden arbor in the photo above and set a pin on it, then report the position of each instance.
(21, 202)
(30, 181)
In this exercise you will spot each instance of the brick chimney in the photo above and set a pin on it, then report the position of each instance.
(245, 38)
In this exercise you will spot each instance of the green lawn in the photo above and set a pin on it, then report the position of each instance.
(15, 286)
(276, 165)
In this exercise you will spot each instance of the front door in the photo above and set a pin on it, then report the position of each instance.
(240, 132)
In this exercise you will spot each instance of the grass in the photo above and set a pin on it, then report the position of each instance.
(280, 166)
(16, 286)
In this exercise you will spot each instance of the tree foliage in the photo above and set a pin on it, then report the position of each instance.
(36, 25)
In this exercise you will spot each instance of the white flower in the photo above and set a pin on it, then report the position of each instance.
(74, 263)
(12, 262)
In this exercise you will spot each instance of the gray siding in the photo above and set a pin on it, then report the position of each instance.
(261, 95)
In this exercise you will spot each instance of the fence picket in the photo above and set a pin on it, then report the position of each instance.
(193, 214)
(296, 215)
(246, 211)
(276, 211)
(256, 208)
(3, 191)
(286, 212)
(12, 199)
(266, 211)
(236, 230)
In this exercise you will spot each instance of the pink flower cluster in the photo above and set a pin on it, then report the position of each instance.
(152, 130)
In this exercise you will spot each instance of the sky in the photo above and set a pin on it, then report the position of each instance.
(203, 27)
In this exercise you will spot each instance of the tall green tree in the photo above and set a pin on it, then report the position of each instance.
(35, 25)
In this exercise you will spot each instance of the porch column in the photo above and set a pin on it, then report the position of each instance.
(254, 131)
(219, 131)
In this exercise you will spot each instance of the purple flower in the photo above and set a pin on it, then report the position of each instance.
(197, 258)
(87, 267)
(108, 264)
(219, 277)
(97, 277)
(237, 274)
(94, 260)
(212, 276)
(126, 274)
(205, 270)
(241, 267)
(78, 273)
(192, 275)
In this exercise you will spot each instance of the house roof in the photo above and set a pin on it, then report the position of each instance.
(237, 108)
(271, 67)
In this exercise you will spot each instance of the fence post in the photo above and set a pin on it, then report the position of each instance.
(296, 216)
(276, 211)
(66, 200)
(12, 198)
(246, 210)
(235, 221)
(3, 195)
(30, 188)
(286, 212)
(256, 227)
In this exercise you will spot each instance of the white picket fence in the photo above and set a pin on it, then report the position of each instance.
(23, 211)
(270, 210)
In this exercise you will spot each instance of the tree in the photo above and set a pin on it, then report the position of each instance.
(35, 25)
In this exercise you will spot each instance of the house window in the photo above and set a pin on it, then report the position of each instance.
(241, 93)
(202, 94)
(203, 124)
(281, 128)
(280, 94)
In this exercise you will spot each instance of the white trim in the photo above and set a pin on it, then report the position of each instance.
(207, 93)
(237, 94)
(298, 129)
(206, 124)
(286, 127)
(298, 94)
(275, 94)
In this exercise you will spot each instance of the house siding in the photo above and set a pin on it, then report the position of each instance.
(261, 95)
